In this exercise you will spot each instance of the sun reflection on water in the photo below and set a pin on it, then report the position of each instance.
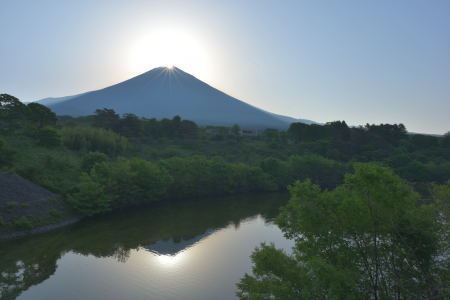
(169, 260)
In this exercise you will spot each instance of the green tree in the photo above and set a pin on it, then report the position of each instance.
(87, 138)
(188, 129)
(422, 141)
(247, 178)
(236, 130)
(48, 137)
(367, 239)
(131, 181)
(89, 198)
(12, 113)
(192, 176)
(199, 176)
(446, 140)
(278, 170)
(106, 118)
(298, 131)
(41, 115)
(130, 125)
(92, 158)
(320, 170)
(338, 130)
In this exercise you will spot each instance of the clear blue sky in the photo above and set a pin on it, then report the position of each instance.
(359, 61)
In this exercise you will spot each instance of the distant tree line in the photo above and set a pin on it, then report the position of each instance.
(112, 183)
(130, 125)
(33, 119)
(62, 154)
(416, 157)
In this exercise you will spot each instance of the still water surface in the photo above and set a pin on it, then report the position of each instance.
(195, 249)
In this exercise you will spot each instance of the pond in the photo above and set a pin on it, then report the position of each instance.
(192, 249)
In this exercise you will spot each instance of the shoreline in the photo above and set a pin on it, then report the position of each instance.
(42, 229)
(72, 219)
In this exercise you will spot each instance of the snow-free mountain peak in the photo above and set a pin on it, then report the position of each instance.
(166, 92)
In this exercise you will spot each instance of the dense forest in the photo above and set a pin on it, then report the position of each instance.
(105, 161)
(368, 209)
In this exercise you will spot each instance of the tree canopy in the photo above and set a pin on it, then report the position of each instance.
(366, 239)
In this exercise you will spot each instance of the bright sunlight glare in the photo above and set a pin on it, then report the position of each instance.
(169, 47)
(170, 260)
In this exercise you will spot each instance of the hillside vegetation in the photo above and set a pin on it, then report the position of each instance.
(107, 161)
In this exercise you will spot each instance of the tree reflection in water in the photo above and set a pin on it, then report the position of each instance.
(165, 229)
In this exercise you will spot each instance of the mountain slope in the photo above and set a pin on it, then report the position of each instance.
(54, 100)
(165, 93)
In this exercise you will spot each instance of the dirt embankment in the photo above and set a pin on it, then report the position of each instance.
(27, 208)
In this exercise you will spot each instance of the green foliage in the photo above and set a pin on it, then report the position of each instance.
(92, 158)
(187, 129)
(367, 238)
(52, 168)
(247, 178)
(84, 138)
(131, 181)
(10, 106)
(23, 223)
(445, 142)
(89, 198)
(275, 277)
(195, 161)
(6, 155)
(194, 176)
(12, 113)
(106, 118)
(320, 170)
(198, 176)
(40, 115)
(130, 125)
(48, 137)
(422, 141)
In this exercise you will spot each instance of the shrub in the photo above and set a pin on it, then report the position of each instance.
(23, 222)
(131, 181)
(89, 198)
(92, 158)
(249, 178)
(323, 171)
(48, 137)
(94, 139)
(190, 176)
(278, 170)
(198, 176)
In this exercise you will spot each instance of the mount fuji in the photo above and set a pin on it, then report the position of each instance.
(167, 92)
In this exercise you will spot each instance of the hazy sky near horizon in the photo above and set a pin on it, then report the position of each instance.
(354, 60)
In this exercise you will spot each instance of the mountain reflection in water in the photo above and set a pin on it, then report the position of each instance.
(172, 247)
(166, 250)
